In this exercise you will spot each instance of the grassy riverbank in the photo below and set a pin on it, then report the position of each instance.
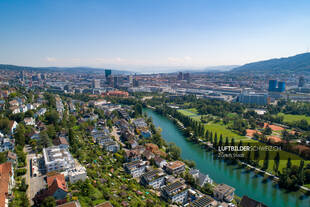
(222, 129)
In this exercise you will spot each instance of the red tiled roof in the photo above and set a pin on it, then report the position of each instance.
(5, 174)
(105, 204)
(56, 181)
(70, 204)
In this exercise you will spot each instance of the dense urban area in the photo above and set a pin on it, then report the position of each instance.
(73, 139)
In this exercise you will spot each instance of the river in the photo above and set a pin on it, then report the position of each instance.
(245, 183)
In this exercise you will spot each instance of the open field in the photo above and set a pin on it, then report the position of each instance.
(187, 112)
(220, 128)
(288, 118)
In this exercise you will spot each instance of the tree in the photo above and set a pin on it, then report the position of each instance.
(48, 202)
(174, 151)
(51, 132)
(221, 140)
(301, 172)
(45, 141)
(232, 143)
(20, 135)
(29, 113)
(276, 162)
(266, 161)
(226, 141)
(307, 176)
(267, 130)
(256, 156)
(289, 163)
(52, 117)
(109, 123)
(138, 109)
(4, 125)
(2, 157)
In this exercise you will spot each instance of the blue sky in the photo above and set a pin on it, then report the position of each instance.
(151, 34)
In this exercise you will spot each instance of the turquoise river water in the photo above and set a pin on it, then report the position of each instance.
(246, 183)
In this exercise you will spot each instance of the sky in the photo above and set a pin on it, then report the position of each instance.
(151, 35)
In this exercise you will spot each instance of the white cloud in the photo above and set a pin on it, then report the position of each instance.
(50, 59)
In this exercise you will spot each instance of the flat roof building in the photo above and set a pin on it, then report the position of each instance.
(57, 159)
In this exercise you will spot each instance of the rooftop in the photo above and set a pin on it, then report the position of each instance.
(105, 204)
(224, 189)
(202, 202)
(174, 165)
(174, 186)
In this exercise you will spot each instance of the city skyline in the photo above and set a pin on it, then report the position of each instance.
(146, 36)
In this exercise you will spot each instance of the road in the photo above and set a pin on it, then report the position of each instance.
(116, 136)
(35, 183)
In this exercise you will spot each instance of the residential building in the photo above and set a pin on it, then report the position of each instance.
(35, 136)
(7, 144)
(223, 192)
(140, 123)
(135, 168)
(205, 201)
(132, 155)
(176, 192)
(154, 178)
(175, 167)
(160, 162)
(41, 112)
(201, 179)
(57, 159)
(61, 142)
(6, 183)
(15, 109)
(13, 125)
(29, 121)
(56, 187)
(76, 174)
(148, 155)
(11, 157)
(70, 204)
(249, 202)
(111, 146)
(132, 144)
(105, 204)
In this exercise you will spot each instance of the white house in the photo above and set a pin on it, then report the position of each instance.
(30, 121)
(76, 174)
(57, 159)
(13, 125)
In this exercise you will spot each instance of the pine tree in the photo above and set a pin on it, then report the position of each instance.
(276, 162)
(221, 141)
(266, 161)
(289, 163)
(226, 141)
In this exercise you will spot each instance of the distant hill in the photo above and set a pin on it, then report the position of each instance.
(294, 64)
(60, 69)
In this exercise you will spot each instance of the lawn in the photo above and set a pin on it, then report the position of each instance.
(220, 128)
(288, 118)
(188, 112)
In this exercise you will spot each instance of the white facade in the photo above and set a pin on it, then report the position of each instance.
(57, 159)
(76, 174)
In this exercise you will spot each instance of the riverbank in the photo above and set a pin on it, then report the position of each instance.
(245, 181)
(241, 163)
